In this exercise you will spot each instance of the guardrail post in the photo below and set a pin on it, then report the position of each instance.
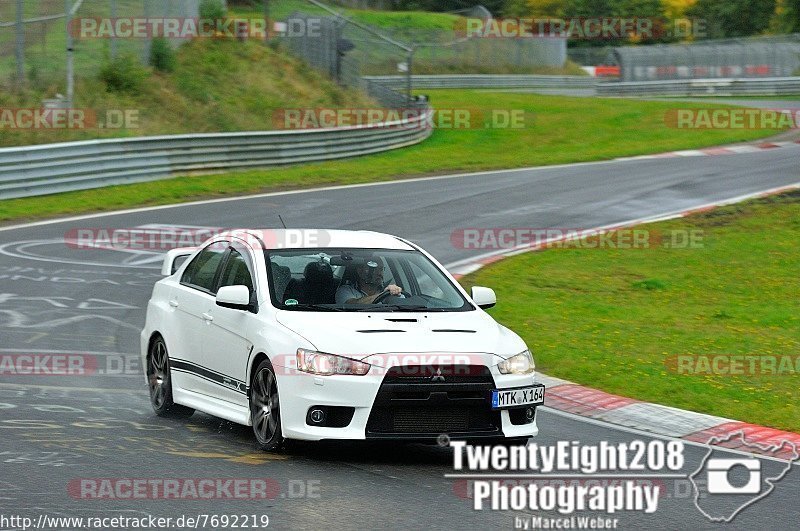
(70, 53)
(20, 46)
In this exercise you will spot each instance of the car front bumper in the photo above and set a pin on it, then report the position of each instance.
(397, 404)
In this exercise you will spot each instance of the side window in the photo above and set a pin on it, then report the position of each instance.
(237, 272)
(203, 269)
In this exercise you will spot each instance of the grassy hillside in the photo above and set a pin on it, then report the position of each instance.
(217, 86)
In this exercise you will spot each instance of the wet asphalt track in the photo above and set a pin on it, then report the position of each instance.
(56, 429)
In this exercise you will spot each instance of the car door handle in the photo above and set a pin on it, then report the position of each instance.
(174, 304)
(207, 317)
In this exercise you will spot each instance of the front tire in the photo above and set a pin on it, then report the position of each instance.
(160, 382)
(265, 410)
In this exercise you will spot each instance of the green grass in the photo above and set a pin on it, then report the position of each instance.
(612, 319)
(560, 130)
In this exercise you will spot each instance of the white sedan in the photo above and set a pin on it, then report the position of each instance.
(333, 335)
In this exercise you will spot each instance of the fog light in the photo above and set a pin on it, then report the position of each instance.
(530, 413)
(321, 416)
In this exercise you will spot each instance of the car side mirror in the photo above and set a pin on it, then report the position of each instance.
(175, 259)
(483, 297)
(234, 297)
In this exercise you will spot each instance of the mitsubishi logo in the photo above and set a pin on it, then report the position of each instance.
(438, 377)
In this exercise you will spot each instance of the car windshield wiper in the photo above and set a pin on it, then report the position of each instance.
(314, 307)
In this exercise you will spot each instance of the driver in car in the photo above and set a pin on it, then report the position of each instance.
(368, 285)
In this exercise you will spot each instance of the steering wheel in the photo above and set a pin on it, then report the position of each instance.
(386, 294)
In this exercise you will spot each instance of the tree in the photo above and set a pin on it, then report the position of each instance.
(677, 8)
(734, 18)
(587, 8)
(653, 10)
(516, 8)
(546, 8)
(787, 17)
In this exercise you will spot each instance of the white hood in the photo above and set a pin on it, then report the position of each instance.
(360, 335)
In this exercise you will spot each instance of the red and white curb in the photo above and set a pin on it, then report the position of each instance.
(643, 416)
(715, 151)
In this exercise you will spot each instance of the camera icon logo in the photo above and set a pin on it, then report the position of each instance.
(726, 485)
(720, 472)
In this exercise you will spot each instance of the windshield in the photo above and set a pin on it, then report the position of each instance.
(360, 280)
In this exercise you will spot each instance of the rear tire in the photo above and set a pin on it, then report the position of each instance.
(265, 409)
(159, 380)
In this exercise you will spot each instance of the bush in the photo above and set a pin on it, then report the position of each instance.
(162, 56)
(212, 10)
(125, 74)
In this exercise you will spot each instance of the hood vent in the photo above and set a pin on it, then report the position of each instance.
(401, 320)
(380, 331)
(454, 331)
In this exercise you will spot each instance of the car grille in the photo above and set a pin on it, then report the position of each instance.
(426, 402)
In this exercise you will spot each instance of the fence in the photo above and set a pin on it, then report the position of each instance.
(46, 169)
(755, 57)
(348, 51)
(591, 56)
(343, 49)
(452, 51)
(34, 36)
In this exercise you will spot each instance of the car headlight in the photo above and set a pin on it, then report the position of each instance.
(328, 364)
(522, 363)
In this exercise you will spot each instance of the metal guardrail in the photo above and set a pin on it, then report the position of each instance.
(488, 81)
(773, 86)
(52, 168)
(770, 86)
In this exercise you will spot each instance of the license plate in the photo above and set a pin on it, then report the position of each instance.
(523, 397)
